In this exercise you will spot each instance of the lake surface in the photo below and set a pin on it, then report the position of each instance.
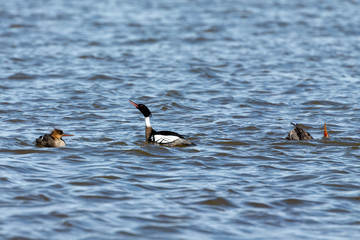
(230, 75)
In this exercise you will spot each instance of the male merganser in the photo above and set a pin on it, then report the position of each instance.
(298, 133)
(163, 137)
(54, 139)
(326, 135)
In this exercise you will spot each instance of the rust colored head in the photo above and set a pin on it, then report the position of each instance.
(58, 133)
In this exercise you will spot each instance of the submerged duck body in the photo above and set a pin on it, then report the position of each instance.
(298, 133)
(167, 138)
(54, 139)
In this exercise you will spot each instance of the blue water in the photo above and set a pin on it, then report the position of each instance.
(230, 75)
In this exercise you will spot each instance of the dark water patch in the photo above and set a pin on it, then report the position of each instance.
(90, 182)
(37, 198)
(294, 202)
(222, 100)
(21, 76)
(102, 198)
(333, 104)
(230, 143)
(142, 41)
(2, 87)
(173, 218)
(96, 57)
(340, 187)
(100, 77)
(213, 29)
(102, 24)
(299, 177)
(338, 210)
(234, 165)
(75, 158)
(196, 39)
(16, 59)
(334, 141)
(217, 202)
(355, 199)
(339, 171)
(174, 94)
(110, 177)
(205, 72)
(118, 143)
(153, 229)
(128, 234)
(19, 25)
(106, 139)
(4, 179)
(24, 151)
(298, 143)
(144, 153)
(260, 102)
(94, 44)
(59, 214)
(15, 120)
(195, 163)
(258, 205)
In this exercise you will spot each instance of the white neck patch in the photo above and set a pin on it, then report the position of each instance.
(147, 122)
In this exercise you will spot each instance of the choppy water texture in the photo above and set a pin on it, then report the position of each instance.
(231, 75)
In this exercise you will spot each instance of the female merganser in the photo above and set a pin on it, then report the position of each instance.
(163, 137)
(54, 139)
(326, 135)
(298, 133)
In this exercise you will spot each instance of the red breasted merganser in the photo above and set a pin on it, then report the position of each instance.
(54, 139)
(298, 133)
(163, 137)
(326, 135)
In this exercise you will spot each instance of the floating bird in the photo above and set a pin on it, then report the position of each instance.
(167, 138)
(298, 133)
(54, 139)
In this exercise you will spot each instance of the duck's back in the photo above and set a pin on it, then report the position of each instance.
(48, 141)
(298, 133)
